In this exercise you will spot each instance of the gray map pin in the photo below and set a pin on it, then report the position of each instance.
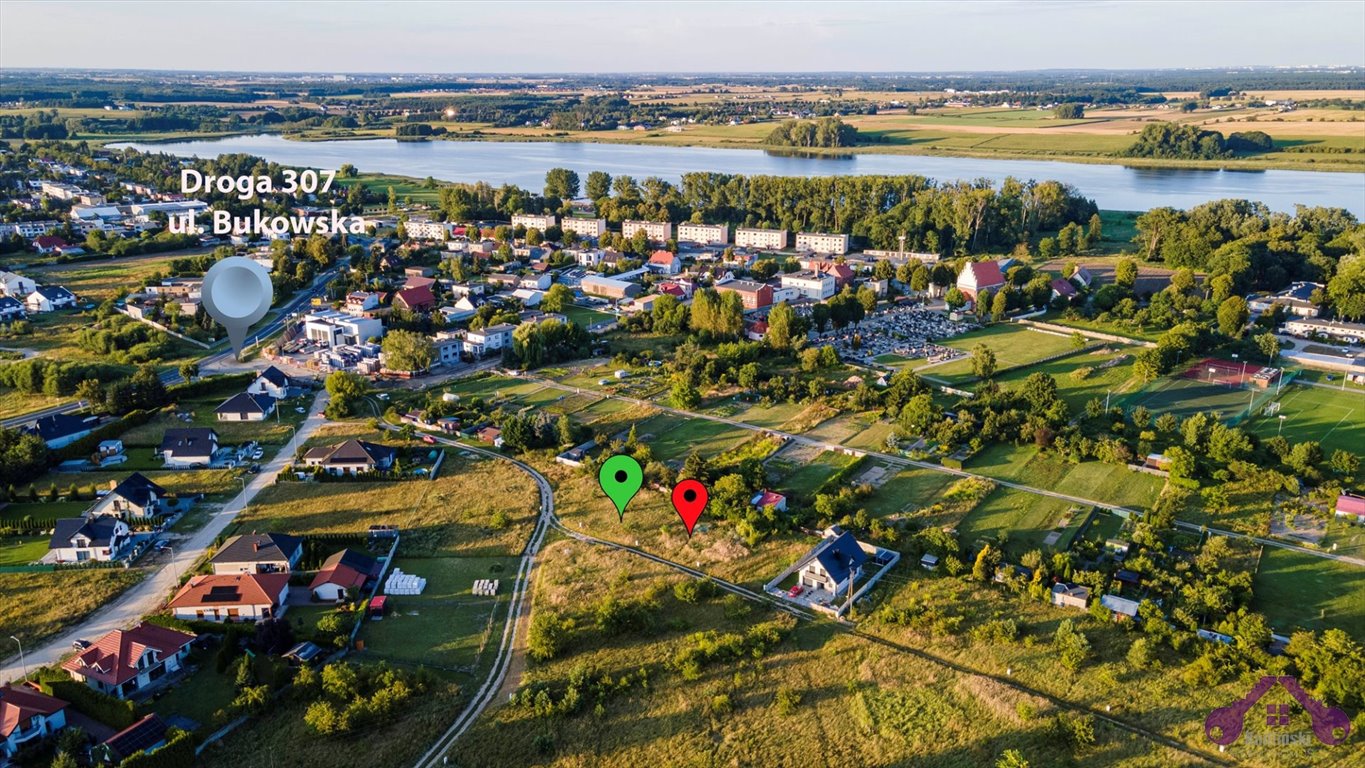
(237, 292)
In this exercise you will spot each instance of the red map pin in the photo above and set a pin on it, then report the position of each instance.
(689, 498)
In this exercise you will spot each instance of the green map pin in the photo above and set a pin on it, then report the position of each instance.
(620, 478)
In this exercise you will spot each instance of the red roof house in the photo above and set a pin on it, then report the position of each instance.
(27, 714)
(127, 660)
(48, 243)
(417, 298)
(232, 597)
(1351, 507)
(343, 571)
(665, 262)
(766, 498)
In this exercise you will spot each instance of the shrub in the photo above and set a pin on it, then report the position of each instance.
(113, 712)
(787, 701)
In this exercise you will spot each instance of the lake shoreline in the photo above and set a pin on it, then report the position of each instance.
(1248, 164)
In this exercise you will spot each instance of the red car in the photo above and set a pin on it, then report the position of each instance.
(796, 590)
(428, 439)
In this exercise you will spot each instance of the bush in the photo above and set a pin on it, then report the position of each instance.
(694, 590)
(115, 713)
(177, 753)
(787, 701)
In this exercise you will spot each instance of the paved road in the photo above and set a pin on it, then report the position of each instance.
(149, 594)
(901, 460)
(518, 615)
(214, 361)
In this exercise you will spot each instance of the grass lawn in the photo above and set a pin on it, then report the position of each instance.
(841, 428)
(1094, 480)
(1300, 591)
(909, 490)
(1078, 391)
(670, 437)
(492, 386)
(1112, 327)
(213, 483)
(42, 510)
(21, 550)
(586, 317)
(109, 279)
(16, 403)
(475, 507)
(1024, 518)
(802, 477)
(873, 438)
(1333, 417)
(770, 416)
(1344, 538)
(199, 695)
(1013, 345)
(447, 627)
(1183, 397)
(28, 608)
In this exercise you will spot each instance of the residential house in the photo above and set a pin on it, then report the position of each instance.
(1296, 300)
(753, 295)
(343, 571)
(16, 285)
(232, 597)
(1336, 330)
(491, 435)
(135, 496)
(245, 406)
(539, 282)
(81, 540)
(188, 447)
(351, 457)
(275, 383)
(463, 309)
(27, 715)
(147, 735)
(1070, 596)
(533, 221)
(1063, 289)
(833, 564)
(12, 309)
(360, 302)
(334, 329)
(766, 498)
(258, 553)
(486, 340)
(1120, 607)
(60, 430)
(415, 299)
(979, 276)
(125, 661)
(1082, 277)
(49, 298)
(48, 243)
(664, 262)
(584, 227)
(1351, 508)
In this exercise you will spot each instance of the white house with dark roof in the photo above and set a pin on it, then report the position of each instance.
(188, 447)
(12, 309)
(351, 457)
(245, 406)
(49, 298)
(273, 382)
(60, 430)
(135, 496)
(80, 540)
(16, 285)
(258, 553)
(833, 564)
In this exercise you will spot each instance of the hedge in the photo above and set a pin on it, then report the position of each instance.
(115, 713)
(177, 753)
(87, 445)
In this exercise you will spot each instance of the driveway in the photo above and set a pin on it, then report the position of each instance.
(151, 593)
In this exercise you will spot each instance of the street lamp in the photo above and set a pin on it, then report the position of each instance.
(1280, 428)
(22, 661)
(174, 570)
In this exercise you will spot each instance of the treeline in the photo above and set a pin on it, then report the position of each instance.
(825, 132)
(1187, 142)
(1260, 249)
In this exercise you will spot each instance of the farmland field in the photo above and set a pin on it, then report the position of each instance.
(1089, 480)
(1077, 391)
(803, 473)
(673, 438)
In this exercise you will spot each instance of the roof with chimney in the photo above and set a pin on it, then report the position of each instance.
(246, 403)
(353, 452)
(112, 659)
(138, 490)
(258, 548)
(189, 441)
(99, 530)
(60, 425)
(839, 556)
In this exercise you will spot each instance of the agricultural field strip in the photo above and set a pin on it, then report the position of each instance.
(548, 519)
(962, 473)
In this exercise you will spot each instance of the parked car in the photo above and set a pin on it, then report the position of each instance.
(428, 439)
(796, 590)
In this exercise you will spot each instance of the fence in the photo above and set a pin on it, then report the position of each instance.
(1260, 401)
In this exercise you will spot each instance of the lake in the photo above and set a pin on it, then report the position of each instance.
(1113, 187)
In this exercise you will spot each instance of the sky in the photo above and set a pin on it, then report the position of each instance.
(417, 36)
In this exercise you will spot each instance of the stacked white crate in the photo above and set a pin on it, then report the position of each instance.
(400, 583)
(486, 587)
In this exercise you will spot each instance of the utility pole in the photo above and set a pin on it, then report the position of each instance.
(22, 661)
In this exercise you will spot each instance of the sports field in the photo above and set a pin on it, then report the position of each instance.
(1333, 417)
(1206, 386)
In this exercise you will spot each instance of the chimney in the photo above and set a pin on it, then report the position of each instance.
(113, 484)
(256, 545)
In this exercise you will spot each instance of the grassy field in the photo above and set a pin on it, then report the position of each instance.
(275, 430)
(672, 438)
(1088, 480)
(447, 627)
(1182, 396)
(1024, 519)
(1012, 344)
(1112, 328)
(98, 281)
(22, 550)
(474, 507)
(803, 475)
(29, 611)
(907, 491)
(1078, 391)
(1333, 417)
(1302, 591)
(586, 317)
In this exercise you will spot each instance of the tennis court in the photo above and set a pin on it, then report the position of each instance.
(1334, 417)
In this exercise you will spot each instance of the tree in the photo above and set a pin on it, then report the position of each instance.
(1347, 287)
(782, 323)
(561, 183)
(1125, 273)
(954, 298)
(407, 351)
(1233, 314)
(1069, 111)
(867, 298)
(1269, 346)
(983, 362)
(1344, 463)
(346, 388)
(557, 298)
(1000, 305)
(986, 562)
(684, 394)
(1095, 232)
(599, 185)
(1012, 758)
(189, 371)
(1047, 248)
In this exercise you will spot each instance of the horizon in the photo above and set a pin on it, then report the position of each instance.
(747, 37)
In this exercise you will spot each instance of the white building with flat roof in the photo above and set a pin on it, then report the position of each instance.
(816, 286)
(336, 329)
(751, 237)
(656, 231)
(584, 227)
(533, 221)
(822, 242)
(1337, 330)
(703, 234)
(421, 229)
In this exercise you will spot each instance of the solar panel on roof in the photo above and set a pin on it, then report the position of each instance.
(222, 594)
